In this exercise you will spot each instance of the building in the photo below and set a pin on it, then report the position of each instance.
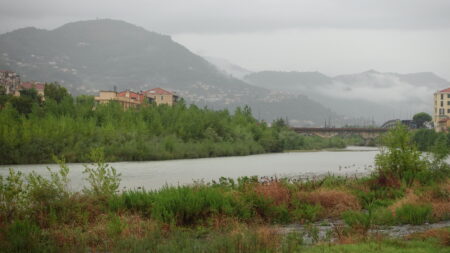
(161, 96)
(10, 81)
(441, 113)
(442, 125)
(126, 98)
(129, 98)
(39, 87)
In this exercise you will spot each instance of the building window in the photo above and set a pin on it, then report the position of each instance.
(442, 96)
(162, 97)
(448, 95)
(448, 110)
(442, 103)
(448, 102)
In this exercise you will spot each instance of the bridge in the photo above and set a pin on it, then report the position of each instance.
(365, 133)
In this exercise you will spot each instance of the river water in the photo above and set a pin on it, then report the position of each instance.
(155, 174)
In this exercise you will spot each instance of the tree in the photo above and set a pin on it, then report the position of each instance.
(2, 90)
(55, 91)
(31, 94)
(22, 104)
(420, 119)
(399, 157)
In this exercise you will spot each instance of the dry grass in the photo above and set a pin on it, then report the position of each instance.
(269, 237)
(442, 234)
(274, 190)
(409, 198)
(440, 205)
(335, 202)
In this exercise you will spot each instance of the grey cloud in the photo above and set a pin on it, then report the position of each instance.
(217, 16)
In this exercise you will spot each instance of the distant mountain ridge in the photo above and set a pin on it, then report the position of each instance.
(88, 56)
(370, 94)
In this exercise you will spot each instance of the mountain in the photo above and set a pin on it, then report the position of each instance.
(370, 94)
(228, 68)
(88, 56)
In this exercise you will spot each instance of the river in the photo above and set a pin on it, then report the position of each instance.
(155, 174)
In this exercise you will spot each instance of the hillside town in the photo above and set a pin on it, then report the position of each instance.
(12, 85)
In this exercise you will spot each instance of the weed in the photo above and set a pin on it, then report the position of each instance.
(413, 214)
(102, 178)
(333, 201)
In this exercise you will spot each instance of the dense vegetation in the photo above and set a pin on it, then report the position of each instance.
(428, 139)
(33, 129)
(40, 214)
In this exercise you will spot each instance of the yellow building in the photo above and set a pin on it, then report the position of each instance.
(39, 87)
(161, 96)
(441, 114)
(125, 98)
(132, 99)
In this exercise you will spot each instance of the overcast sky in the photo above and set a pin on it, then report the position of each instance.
(330, 36)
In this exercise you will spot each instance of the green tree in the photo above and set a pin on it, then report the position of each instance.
(55, 91)
(32, 94)
(420, 119)
(22, 104)
(2, 91)
(399, 157)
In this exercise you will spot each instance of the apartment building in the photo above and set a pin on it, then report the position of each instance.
(10, 81)
(39, 87)
(161, 96)
(441, 114)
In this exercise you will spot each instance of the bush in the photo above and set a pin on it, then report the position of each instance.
(399, 158)
(22, 236)
(187, 205)
(102, 178)
(413, 214)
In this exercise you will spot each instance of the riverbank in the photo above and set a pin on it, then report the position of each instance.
(153, 175)
(228, 215)
(41, 214)
(72, 127)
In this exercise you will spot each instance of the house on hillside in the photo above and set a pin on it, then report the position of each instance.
(441, 114)
(10, 81)
(161, 96)
(130, 99)
(125, 98)
(39, 87)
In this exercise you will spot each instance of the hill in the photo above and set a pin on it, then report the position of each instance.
(88, 56)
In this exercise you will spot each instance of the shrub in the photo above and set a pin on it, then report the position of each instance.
(22, 236)
(12, 195)
(275, 191)
(305, 212)
(413, 214)
(333, 201)
(133, 200)
(399, 159)
(102, 178)
(187, 205)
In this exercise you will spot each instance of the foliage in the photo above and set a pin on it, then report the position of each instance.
(399, 157)
(102, 178)
(55, 92)
(420, 119)
(413, 214)
(32, 132)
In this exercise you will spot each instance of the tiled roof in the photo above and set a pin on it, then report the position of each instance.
(132, 94)
(30, 85)
(159, 91)
(446, 90)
